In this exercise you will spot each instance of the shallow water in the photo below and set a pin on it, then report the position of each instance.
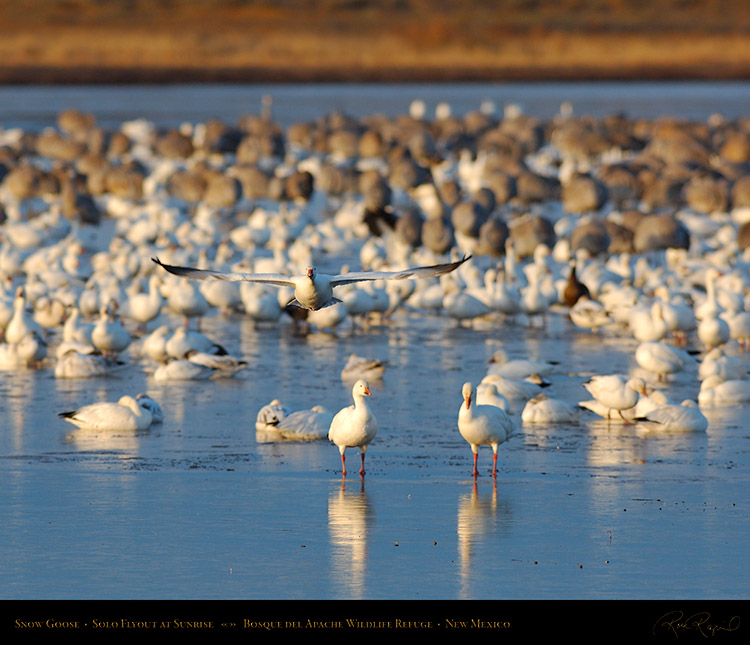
(196, 508)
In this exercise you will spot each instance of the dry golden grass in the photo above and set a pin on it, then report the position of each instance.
(371, 39)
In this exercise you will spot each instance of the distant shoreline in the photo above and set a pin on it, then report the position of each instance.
(41, 75)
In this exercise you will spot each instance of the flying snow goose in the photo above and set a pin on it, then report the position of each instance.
(314, 290)
(482, 425)
(354, 426)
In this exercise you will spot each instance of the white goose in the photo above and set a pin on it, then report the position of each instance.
(685, 417)
(716, 392)
(516, 389)
(21, 323)
(615, 392)
(542, 409)
(108, 334)
(125, 415)
(314, 290)
(718, 363)
(354, 426)
(74, 363)
(487, 394)
(661, 358)
(482, 425)
(518, 368)
(358, 367)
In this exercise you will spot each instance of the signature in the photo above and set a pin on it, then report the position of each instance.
(676, 622)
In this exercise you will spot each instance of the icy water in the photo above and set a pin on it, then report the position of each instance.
(196, 508)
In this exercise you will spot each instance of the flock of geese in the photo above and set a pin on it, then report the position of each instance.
(114, 246)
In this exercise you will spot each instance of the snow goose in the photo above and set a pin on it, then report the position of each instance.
(487, 394)
(542, 409)
(519, 368)
(225, 364)
(306, 425)
(589, 314)
(180, 369)
(354, 426)
(108, 334)
(259, 303)
(645, 404)
(28, 352)
(314, 290)
(358, 367)
(713, 331)
(685, 417)
(718, 363)
(516, 389)
(615, 392)
(144, 306)
(482, 425)
(184, 341)
(661, 358)
(534, 302)
(715, 392)
(462, 306)
(76, 330)
(269, 416)
(124, 415)
(21, 323)
(75, 364)
(300, 425)
(186, 300)
(648, 323)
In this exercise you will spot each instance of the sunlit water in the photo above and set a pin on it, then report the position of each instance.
(197, 508)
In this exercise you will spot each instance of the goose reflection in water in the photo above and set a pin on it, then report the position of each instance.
(350, 517)
(480, 518)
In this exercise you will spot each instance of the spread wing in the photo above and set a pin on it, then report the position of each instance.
(202, 274)
(414, 272)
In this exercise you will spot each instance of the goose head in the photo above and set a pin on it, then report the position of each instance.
(467, 391)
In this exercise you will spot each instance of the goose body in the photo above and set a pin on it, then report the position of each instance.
(354, 426)
(685, 417)
(615, 392)
(482, 425)
(126, 414)
(313, 290)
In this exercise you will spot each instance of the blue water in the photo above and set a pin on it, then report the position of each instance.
(196, 508)
(34, 107)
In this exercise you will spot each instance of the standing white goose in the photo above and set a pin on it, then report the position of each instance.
(615, 392)
(108, 334)
(126, 414)
(482, 425)
(314, 290)
(354, 426)
(21, 323)
(661, 358)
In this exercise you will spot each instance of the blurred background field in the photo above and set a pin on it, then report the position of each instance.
(371, 40)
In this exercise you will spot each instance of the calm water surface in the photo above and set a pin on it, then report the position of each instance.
(197, 508)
